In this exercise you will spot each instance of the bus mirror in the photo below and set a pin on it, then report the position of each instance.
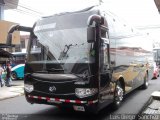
(105, 40)
(91, 34)
(9, 39)
(102, 20)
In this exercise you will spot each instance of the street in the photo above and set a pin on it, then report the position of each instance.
(18, 107)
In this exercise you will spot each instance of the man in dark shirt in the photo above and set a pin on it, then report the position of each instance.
(8, 75)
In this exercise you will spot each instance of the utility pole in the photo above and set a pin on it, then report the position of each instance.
(2, 9)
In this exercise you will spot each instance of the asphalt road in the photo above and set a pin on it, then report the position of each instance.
(19, 109)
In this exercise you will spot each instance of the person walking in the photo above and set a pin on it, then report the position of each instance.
(8, 75)
(1, 79)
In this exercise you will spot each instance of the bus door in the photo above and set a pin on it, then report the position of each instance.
(105, 70)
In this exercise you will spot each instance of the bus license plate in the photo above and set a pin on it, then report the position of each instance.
(78, 108)
(53, 101)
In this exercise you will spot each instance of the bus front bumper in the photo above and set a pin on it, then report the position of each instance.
(76, 104)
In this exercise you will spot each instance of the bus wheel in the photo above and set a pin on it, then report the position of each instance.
(146, 82)
(13, 76)
(118, 95)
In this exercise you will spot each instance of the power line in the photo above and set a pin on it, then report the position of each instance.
(24, 11)
(149, 27)
(27, 13)
(22, 6)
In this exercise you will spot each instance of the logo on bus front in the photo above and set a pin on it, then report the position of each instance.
(52, 89)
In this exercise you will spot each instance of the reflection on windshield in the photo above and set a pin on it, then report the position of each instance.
(69, 46)
(60, 45)
(72, 51)
(64, 52)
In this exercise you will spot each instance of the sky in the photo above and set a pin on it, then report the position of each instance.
(136, 12)
(139, 13)
(45, 8)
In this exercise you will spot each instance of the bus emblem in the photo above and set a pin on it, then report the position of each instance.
(52, 89)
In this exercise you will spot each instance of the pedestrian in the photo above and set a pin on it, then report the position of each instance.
(8, 75)
(1, 78)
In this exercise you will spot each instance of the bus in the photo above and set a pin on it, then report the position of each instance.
(18, 58)
(84, 60)
(18, 63)
(156, 52)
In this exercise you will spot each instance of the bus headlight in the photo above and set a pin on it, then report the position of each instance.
(28, 88)
(85, 92)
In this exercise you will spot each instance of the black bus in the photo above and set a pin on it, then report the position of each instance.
(84, 60)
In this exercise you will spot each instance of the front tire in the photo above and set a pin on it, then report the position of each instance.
(118, 95)
(146, 82)
(13, 76)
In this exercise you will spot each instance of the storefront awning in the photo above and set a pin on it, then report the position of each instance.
(6, 46)
(5, 54)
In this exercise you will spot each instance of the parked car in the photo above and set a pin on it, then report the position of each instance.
(156, 72)
(17, 72)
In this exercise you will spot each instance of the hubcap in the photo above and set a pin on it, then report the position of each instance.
(13, 76)
(147, 83)
(119, 94)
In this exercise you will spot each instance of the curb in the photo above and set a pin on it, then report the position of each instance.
(144, 107)
(12, 96)
(11, 92)
(154, 96)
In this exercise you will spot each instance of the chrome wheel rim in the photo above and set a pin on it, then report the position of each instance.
(147, 82)
(119, 94)
(13, 76)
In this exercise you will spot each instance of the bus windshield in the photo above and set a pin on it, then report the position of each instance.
(60, 42)
(63, 46)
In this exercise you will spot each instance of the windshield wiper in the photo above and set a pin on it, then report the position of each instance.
(81, 76)
(43, 71)
(50, 70)
(54, 70)
(64, 52)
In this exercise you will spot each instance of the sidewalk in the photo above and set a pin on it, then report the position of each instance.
(152, 108)
(16, 89)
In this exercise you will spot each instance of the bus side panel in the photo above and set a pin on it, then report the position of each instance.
(130, 52)
(132, 57)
